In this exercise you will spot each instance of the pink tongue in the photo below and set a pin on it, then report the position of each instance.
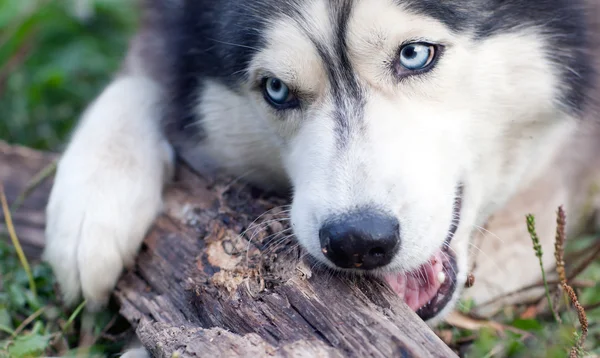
(420, 286)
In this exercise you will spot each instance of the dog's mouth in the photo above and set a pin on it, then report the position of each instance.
(429, 288)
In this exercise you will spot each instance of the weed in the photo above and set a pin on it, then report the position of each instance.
(537, 247)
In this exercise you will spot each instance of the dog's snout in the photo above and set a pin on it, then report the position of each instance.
(365, 239)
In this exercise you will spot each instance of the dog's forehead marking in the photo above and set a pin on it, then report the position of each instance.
(219, 39)
(344, 35)
(328, 36)
(334, 30)
(324, 26)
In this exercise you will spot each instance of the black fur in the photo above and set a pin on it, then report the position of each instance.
(564, 22)
(217, 39)
(347, 93)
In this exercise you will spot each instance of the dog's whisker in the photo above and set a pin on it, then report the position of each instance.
(483, 231)
(260, 228)
(271, 247)
(250, 226)
(233, 44)
(491, 259)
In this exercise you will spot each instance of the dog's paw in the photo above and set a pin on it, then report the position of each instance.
(107, 190)
(96, 223)
(137, 353)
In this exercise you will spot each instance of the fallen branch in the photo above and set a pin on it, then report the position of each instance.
(595, 255)
(200, 287)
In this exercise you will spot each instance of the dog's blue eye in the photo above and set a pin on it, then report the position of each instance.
(278, 93)
(416, 56)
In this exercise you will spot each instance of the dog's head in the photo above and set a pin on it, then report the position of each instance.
(400, 124)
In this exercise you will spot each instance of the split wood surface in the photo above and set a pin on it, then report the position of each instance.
(213, 280)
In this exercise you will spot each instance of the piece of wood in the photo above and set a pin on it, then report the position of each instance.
(212, 281)
(18, 166)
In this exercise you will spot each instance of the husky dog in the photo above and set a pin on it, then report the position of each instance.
(401, 126)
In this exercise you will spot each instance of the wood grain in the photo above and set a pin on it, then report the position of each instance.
(212, 280)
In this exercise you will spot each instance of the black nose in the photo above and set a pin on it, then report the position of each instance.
(365, 239)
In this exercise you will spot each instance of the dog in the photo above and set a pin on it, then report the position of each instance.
(400, 126)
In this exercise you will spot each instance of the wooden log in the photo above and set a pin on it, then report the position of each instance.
(212, 279)
(18, 166)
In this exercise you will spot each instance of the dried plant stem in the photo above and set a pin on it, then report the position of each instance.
(585, 264)
(28, 320)
(15, 241)
(559, 244)
(592, 307)
(559, 253)
(537, 247)
(35, 182)
(582, 320)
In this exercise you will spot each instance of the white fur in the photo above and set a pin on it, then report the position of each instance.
(107, 190)
(480, 117)
(252, 151)
(136, 353)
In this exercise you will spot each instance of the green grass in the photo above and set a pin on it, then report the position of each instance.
(52, 63)
(52, 329)
(545, 337)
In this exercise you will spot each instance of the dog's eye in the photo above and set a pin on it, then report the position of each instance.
(417, 56)
(278, 94)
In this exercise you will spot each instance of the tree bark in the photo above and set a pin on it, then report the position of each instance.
(212, 280)
(18, 166)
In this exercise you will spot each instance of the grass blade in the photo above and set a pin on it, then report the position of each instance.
(15, 241)
(538, 252)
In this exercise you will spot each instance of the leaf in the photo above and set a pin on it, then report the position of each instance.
(466, 305)
(17, 296)
(33, 345)
(5, 319)
(529, 325)
(32, 300)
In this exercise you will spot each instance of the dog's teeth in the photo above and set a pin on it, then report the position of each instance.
(441, 276)
(470, 280)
